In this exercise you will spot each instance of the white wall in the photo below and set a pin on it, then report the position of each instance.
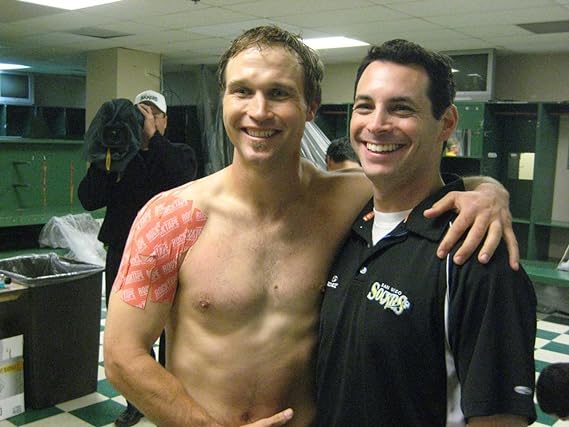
(338, 83)
(532, 77)
(59, 91)
(518, 77)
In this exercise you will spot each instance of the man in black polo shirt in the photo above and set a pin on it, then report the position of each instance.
(408, 339)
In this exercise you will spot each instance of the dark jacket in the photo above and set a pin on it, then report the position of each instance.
(163, 166)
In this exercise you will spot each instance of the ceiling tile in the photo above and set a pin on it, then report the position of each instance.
(277, 8)
(188, 31)
(516, 16)
(210, 15)
(330, 20)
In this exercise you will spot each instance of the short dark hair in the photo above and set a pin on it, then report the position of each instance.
(340, 150)
(442, 88)
(552, 389)
(269, 36)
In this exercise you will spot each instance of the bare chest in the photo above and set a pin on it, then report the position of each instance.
(238, 271)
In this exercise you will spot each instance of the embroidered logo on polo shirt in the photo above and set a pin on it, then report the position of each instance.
(389, 297)
(333, 283)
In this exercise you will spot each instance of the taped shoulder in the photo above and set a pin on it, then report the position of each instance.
(164, 230)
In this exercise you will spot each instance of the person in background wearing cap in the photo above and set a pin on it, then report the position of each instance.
(158, 166)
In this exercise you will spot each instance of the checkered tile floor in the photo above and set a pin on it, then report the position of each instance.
(101, 408)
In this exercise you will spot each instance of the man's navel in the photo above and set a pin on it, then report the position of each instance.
(245, 417)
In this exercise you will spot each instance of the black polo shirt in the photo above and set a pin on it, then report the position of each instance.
(397, 321)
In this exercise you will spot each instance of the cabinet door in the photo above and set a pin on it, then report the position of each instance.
(18, 119)
(38, 180)
(334, 120)
(25, 186)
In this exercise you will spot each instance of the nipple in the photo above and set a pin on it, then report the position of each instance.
(245, 417)
(204, 303)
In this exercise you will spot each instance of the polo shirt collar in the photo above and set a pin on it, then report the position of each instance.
(429, 228)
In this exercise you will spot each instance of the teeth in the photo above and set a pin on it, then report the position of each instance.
(261, 133)
(382, 148)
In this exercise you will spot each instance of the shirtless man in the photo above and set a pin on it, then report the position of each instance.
(233, 264)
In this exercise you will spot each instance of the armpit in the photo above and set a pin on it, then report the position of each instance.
(164, 230)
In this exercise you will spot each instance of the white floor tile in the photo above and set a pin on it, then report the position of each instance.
(550, 356)
(81, 402)
(60, 420)
(120, 399)
(552, 327)
(562, 339)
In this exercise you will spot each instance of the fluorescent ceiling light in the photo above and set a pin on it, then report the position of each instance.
(333, 43)
(12, 66)
(69, 4)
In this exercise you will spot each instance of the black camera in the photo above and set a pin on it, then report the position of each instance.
(116, 134)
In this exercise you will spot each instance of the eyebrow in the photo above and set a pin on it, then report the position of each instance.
(362, 98)
(391, 100)
(233, 83)
(273, 85)
(402, 99)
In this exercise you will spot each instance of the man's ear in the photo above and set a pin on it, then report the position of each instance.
(311, 113)
(449, 120)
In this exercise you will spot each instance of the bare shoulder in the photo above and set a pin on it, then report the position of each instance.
(200, 192)
(352, 187)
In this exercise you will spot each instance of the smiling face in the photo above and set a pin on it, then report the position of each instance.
(393, 131)
(264, 109)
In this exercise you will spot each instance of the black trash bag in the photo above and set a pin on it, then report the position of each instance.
(114, 135)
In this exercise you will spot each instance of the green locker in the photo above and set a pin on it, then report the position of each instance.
(38, 179)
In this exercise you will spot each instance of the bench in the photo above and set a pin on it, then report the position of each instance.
(546, 273)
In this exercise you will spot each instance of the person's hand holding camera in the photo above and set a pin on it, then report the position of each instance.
(149, 128)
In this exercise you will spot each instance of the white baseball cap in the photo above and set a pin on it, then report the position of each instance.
(152, 96)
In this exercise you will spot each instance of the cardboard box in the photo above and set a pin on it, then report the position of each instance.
(11, 376)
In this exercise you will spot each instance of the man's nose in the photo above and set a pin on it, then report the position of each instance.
(380, 121)
(259, 107)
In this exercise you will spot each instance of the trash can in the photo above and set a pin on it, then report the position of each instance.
(61, 324)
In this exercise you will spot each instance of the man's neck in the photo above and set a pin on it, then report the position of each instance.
(401, 196)
(267, 189)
